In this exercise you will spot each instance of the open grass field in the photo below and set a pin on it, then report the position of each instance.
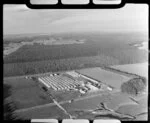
(65, 95)
(139, 111)
(25, 93)
(86, 104)
(142, 117)
(83, 108)
(19, 83)
(139, 68)
(107, 77)
(112, 101)
(118, 99)
(46, 112)
(133, 109)
(29, 97)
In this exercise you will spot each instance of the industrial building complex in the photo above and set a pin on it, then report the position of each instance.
(71, 80)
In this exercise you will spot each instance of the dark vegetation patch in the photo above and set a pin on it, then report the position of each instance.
(29, 97)
(28, 68)
(134, 86)
(8, 106)
(111, 49)
(25, 93)
(19, 83)
(30, 53)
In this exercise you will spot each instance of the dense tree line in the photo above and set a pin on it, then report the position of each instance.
(19, 38)
(29, 53)
(26, 68)
(37, 52)
(134, 86)
(98, 50)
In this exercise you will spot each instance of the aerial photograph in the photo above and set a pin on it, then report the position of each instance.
(75, 63)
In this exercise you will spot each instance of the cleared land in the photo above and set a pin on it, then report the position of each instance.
(107, 77)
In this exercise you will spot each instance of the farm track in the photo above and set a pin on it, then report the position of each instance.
(134, 100)
(64, 110)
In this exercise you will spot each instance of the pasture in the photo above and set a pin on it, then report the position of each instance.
(118, 99)
(140, 69)
(19, 83)
(65, 95)
(133, 109)
(87, 103)
(110, 78)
